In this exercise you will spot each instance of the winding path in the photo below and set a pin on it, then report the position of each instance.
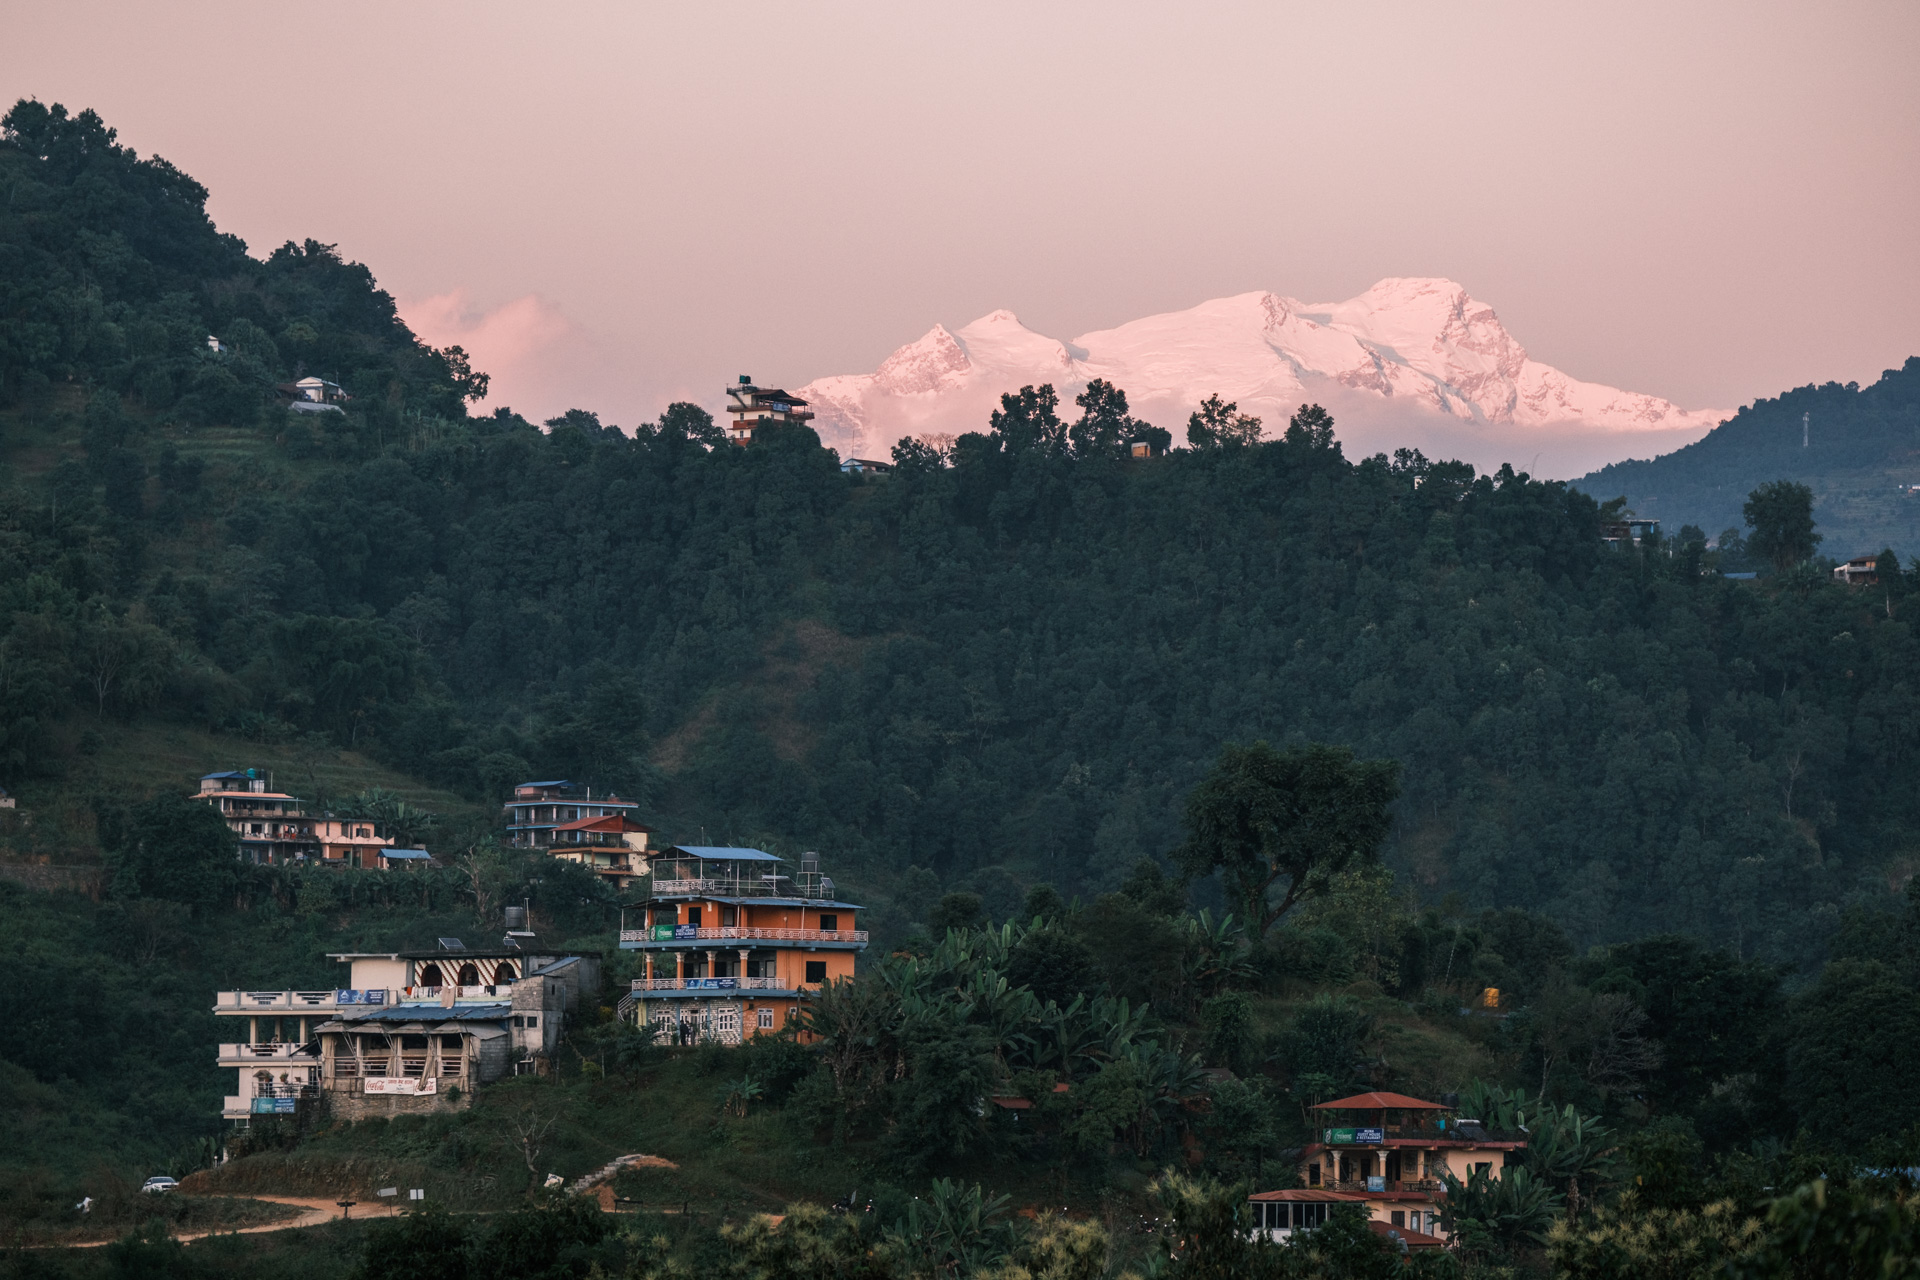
(317, 1209)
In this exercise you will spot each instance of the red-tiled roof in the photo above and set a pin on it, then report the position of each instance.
(1380, 1102)
(1310, 1195)
(609, 822)
(1414, 1239)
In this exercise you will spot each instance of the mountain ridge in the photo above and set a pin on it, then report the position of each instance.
(1408, 342)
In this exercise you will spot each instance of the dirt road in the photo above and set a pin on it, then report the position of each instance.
(317, 1210)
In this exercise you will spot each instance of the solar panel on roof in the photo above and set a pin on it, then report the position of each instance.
(452, 944)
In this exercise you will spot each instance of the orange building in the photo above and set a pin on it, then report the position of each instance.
(733, 946)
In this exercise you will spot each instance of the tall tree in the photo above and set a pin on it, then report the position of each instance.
(1311, 426)
(1288, 820)
(1218, 423)
(1781, 517)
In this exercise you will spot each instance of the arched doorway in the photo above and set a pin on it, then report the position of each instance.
(430, 976)
(469, 975)
(504, 974)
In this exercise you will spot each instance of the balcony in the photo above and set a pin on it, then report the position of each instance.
(272, 1001)
(433, 995)
(710, 984)
(1379, 1185)
(740, 933)
(250, 1054)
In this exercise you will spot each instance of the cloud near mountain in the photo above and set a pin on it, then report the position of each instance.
(1416, 362)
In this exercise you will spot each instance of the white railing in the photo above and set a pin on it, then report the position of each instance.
(709, 984)
(264, 1052)
(268, 1000)
(415, 995)
(741, 933)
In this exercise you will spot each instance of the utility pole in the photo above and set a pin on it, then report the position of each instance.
(1803, 429)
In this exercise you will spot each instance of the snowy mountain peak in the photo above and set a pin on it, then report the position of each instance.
(1423, 344)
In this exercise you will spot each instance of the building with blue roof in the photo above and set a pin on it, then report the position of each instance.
(412, 1032)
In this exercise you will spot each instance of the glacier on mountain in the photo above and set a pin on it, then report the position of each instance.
(1414, 362)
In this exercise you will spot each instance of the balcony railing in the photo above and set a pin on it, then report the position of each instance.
(265, 1052)
(739, 933)
(267, 1001)
(1378, 1185)
(423, 995)
(710, 984)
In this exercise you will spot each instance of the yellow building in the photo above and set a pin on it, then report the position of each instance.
(1389, 1153)
(733, 946)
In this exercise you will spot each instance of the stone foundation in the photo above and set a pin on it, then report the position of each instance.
(360, 1106)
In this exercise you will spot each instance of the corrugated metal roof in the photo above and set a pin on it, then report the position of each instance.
(432, 1013)
(720, 853)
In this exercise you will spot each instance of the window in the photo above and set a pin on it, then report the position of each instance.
(533, 1020)
(729, 917)
(726, 1023)
(504, 974)
(1484, 1166)
(765, 1020)
(693, 916)
(1313, 1175)
(829, 924)
(816, 971)
(469, 975)
(430, 976)
(1399, 1218)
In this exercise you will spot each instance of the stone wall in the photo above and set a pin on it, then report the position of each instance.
(354, 1105)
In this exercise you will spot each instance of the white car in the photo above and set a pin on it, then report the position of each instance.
(161, 1183)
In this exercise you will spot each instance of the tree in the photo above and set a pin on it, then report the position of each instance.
(171, 847)
(1029, 420)
(1292, 820)
(1218, 424)
(427, 1244)
(1311, 426)
(1631, 1241)
(1512, 1210)
(1104, 425)
(1781, 517)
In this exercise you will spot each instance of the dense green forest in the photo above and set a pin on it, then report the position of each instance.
(1013, 691)
(995, 667)
(1857, 448)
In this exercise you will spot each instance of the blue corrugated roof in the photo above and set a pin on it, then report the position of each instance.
(555, 782)
(433, 1013)
(719, 853)
(405, 853)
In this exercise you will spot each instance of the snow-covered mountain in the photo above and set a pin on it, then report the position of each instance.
(1417, 362)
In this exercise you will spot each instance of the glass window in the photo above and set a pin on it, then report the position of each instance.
(765, 1020)
(829, 923)
(816, 971)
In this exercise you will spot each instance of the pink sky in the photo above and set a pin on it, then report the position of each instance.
(614, 205)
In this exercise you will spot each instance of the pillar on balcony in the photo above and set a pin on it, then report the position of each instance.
(743, 967)
(713, 969)
(253, 1030)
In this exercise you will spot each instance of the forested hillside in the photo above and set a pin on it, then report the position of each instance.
(1013, 692)
(1857, 448)
(998, 666)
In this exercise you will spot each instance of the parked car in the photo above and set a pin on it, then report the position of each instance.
(160, 1183)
